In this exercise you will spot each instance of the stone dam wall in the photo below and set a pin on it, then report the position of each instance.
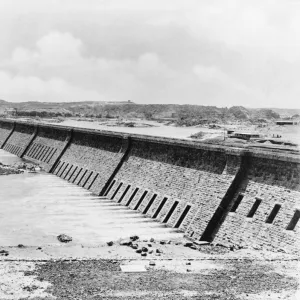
(231, 196)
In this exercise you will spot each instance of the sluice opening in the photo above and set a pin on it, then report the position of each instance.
(77, 175)
(237, 203)
(161, 205)
(294, 220)
(150, 204)
(166, 219)
(124, 193)
(182, 217)
(96, 176)
(78, 183)
(132, 196)
(273, 213)
(116, 191)
(254, 208)
(110, 187)
(88, 178)
(141, 200)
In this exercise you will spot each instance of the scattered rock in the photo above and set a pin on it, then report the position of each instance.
(188, 263)
(110, 243)
(126, 242)
(39, 248)
(281, 250)
(145, 249)
(21, 246)
(134, 246)
(193, 247)
(4, 252)
(134, 238)
(144, 254)
(188, 270)
(152, 263)
(138, 251)
(63, 238)
(28, 273)
(149, 245)
(30, 288)
(188, 244)
(159, 251)
(256, 247)
(163, 242)
(152, 240)
(150, 251)
(158, 254)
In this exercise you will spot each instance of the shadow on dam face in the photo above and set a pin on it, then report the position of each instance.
(36, 207)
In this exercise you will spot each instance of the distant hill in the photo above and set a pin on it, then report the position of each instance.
(179, 114)
(286, 112)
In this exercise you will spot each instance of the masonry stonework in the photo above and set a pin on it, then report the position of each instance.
(19, 138)
(6, 129)
(232, 196)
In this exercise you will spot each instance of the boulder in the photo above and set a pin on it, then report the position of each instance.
(126, 242)
(63, 238)
(188, 244)
(4, 252)
(134, 246)
(134, 238)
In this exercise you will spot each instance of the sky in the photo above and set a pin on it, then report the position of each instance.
(204, 52)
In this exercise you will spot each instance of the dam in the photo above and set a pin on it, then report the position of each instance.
(226, 195)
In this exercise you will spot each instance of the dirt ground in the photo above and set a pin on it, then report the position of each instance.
(177, 272)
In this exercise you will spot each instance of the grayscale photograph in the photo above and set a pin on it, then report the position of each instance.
(149, 150)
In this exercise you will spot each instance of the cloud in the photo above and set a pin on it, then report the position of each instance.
(54, 49)
(271, 27)
(19, 89)
(198, 52)
(213, 74)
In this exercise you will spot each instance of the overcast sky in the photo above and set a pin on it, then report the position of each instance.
(206, 52)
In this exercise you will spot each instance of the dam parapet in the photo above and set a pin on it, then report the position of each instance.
(241, 196)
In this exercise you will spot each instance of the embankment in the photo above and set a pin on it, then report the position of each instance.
(234, 196)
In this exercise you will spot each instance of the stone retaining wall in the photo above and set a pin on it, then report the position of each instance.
(19, 138)
(233, 196)
(5, 130)
(190, 176)
(47, 146)
(270, 182)
(90, 160)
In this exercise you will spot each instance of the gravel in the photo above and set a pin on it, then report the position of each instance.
(103, 279)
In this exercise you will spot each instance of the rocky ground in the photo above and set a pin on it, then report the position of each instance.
(17, 168)
(176, 269)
